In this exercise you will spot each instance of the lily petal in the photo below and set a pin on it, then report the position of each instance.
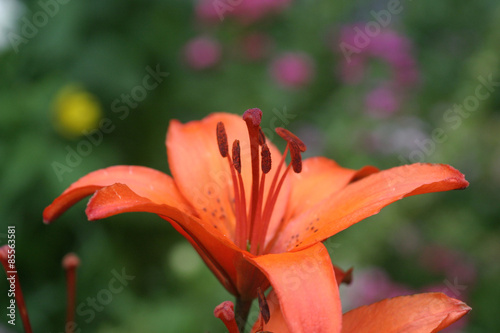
(217, 251)
(307, 291)
(146, 182)
(203, 175)
(364, 198)
(319, 179)
(429, 312)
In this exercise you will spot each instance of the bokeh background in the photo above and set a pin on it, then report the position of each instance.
(89, 84)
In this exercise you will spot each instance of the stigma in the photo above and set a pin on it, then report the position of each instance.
(252, 212)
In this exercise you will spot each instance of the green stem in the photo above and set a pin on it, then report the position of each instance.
(241, 313)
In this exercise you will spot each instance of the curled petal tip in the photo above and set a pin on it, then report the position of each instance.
(462, 307)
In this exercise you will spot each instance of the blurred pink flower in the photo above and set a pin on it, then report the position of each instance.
(244, 11)
(202, 52)
(389, 46)
(397, 51)
(353, 67)
(382, 101)
(293, 70)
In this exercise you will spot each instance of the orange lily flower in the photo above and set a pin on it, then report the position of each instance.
(253, 223)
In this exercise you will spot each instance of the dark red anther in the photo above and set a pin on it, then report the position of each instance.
(266, 158)
(236, 155)
(222, 139)
(290, 137)
(262, 137)
(296, 157)
(263, 306)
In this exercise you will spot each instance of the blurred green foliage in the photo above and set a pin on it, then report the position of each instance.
(107, 48)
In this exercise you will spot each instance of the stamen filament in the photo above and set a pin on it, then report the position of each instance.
(254, 235)
(239, 232)
(269, 208)
(18, 294)
(243, 221)
(266, 167)
(276, 175)
(255, 238)
(70, 263)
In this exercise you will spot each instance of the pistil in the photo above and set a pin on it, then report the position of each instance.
(253, 117)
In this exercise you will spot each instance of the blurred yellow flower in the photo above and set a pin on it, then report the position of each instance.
(76, 111)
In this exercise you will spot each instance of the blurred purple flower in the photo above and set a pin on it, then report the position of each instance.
(293, 70)
(244, 11)
(373, 285)
(452, 263)
(352, 69)
(202, 52)
(388, 46)
(396, 50)
(382, 101)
